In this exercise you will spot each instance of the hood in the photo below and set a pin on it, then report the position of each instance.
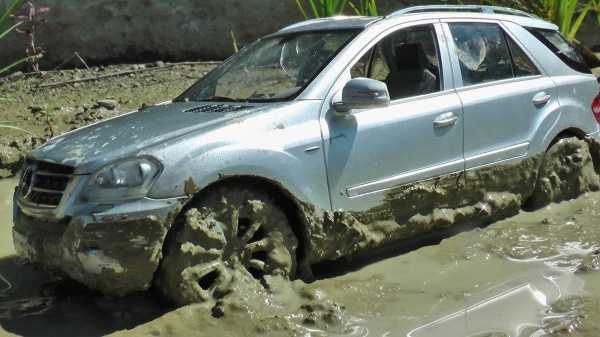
(92, 146)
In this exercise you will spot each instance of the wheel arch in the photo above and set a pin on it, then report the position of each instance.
(568, 133)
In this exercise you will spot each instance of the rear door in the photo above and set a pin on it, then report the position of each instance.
(503, 92)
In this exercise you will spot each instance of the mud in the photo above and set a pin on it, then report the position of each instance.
(481, 196)
(534, 274)
(116, 258)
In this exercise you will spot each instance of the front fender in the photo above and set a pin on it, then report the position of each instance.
(277, 152)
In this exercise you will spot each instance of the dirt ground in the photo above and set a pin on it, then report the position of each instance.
(535, 274)
(38, 105)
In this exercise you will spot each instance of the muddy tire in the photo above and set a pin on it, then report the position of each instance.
(566, 172)
(228, 230)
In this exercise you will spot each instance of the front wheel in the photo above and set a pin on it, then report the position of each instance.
(229, 229)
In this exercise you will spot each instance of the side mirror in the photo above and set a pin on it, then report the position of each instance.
(363, 93)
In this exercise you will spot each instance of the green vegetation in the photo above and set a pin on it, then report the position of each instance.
(323, 8)
(568, 15)
(367, 8)
(6, 28)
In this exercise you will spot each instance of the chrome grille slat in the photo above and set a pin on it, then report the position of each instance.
(44, 183)
(49, 174)
(46, 190)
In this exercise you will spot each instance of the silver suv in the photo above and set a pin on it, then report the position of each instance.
(320, 141)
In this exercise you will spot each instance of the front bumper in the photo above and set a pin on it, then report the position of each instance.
(113, 248)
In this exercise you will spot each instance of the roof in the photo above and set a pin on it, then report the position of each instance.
(420, 12)
(462, 8)
(330, 23)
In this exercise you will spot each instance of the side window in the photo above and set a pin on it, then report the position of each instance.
(561, 48)
(406, 60)
(522, 65)
(361, 68)
(482, 52)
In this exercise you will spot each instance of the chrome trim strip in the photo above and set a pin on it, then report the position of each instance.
(506, 153)
(405, 178)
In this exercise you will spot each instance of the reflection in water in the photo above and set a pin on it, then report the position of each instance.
(535, 274)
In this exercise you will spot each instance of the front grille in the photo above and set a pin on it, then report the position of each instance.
(43, 184)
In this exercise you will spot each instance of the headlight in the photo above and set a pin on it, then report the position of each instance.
(121, 180)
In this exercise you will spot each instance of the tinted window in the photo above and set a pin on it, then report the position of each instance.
(482, 52)
(522, 64)
(561, 48)
(407, 61)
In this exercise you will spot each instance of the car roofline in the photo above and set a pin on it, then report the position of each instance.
(415, 13)
(330, 23)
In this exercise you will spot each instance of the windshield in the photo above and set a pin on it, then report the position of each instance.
(272, 69)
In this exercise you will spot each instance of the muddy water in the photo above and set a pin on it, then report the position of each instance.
(6, 188)
(536, 274)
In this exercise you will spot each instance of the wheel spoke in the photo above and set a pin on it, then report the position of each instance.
(257, 264)
(256, 246)
(235, 222)
(259, 245)
(251, 231)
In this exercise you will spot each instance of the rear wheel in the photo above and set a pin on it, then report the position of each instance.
(229, 229)
(566, 172)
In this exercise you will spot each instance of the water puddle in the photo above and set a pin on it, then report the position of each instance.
(7, 187)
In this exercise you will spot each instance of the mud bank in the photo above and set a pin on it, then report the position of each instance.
(481, 196)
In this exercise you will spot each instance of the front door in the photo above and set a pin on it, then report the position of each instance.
(418, 136)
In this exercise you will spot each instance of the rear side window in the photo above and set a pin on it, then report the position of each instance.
(482, 52)
(561, 48)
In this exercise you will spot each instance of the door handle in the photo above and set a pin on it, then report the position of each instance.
(445, 120)
(541, 98)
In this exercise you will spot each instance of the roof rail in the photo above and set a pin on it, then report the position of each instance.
(462, 8)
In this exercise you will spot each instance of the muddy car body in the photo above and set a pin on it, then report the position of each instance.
(454, 131)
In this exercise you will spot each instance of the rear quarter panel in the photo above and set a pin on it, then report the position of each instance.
(574, 92)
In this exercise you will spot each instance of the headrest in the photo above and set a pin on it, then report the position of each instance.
(409, 56)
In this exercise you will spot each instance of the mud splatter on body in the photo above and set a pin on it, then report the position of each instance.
(482, 195)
